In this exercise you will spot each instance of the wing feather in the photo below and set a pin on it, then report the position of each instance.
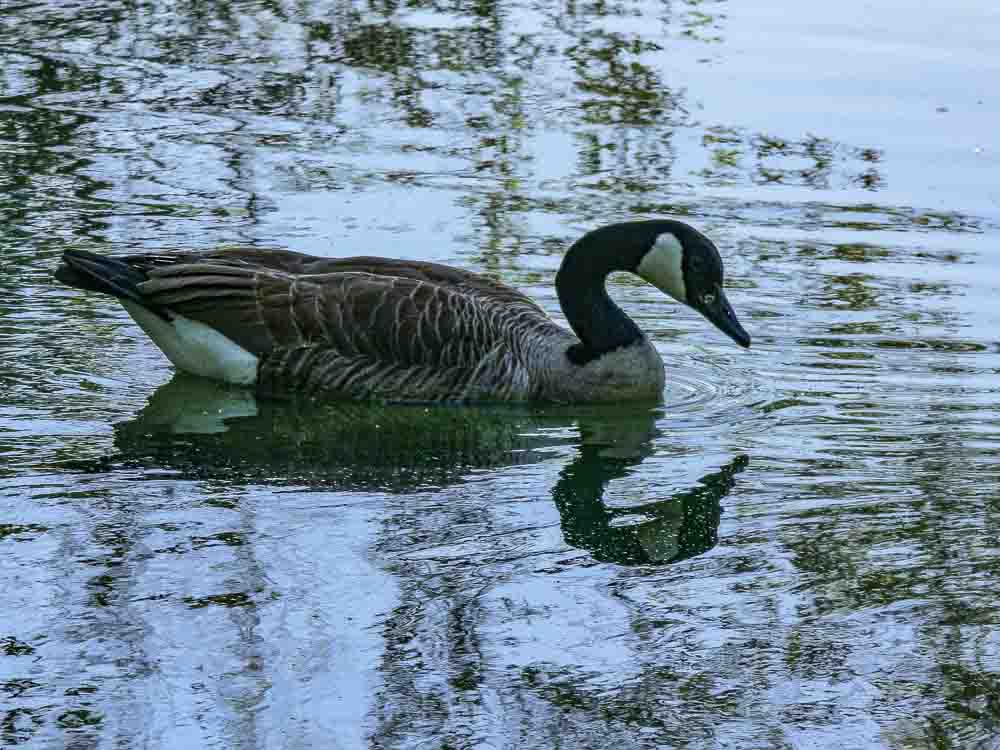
(425, 333)
(351, 327)
(226, 260)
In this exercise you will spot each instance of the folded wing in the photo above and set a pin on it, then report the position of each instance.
(407, 331)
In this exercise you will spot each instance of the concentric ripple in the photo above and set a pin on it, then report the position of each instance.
(705, 390)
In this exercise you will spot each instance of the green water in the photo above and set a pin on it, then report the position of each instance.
(797, 549)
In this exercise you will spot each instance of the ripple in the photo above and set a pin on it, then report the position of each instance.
(705, 391)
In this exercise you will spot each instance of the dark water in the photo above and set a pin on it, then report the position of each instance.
(798, 549)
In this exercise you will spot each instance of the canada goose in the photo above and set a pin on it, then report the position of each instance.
(364, 327)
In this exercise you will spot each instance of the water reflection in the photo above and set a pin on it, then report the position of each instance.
(196, 429)
(670, 529)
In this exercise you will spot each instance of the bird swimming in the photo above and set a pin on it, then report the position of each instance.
(398, 330)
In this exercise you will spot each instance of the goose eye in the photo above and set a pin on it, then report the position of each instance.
(708, 299)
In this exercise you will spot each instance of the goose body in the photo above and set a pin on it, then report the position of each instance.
(376, 328)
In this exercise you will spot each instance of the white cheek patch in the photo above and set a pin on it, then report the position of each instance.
(661, 267)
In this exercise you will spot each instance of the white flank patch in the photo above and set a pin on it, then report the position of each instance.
(661, 266)
(195, 347)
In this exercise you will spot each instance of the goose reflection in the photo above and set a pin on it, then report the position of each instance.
(197, 429)
(681, 525)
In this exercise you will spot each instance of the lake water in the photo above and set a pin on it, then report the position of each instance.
(797, 549)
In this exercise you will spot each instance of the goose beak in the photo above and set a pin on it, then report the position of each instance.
(721, 314)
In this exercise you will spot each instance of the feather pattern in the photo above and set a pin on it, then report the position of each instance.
(360, 328)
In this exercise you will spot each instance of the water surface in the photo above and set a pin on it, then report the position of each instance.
(796, 549)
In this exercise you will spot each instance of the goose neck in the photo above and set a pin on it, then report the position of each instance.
(597, 321)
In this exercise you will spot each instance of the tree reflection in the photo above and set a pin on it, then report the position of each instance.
(738, 157)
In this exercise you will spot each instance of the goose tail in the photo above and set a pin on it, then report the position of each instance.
(100, 273)
(192, 346)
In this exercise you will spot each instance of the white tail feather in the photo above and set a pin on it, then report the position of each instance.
(195, 347)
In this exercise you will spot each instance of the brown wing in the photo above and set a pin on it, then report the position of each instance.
(300, 264)
(427, 335)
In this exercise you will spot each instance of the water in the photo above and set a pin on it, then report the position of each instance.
(797, 549)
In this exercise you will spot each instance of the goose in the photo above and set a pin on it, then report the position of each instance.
(362, 328)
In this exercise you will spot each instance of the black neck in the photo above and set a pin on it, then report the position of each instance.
(600, 324)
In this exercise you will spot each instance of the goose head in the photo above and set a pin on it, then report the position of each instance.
(672, 256)
(682, 262)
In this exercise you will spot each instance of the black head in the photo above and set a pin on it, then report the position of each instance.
(680, 261)
(702, 276)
